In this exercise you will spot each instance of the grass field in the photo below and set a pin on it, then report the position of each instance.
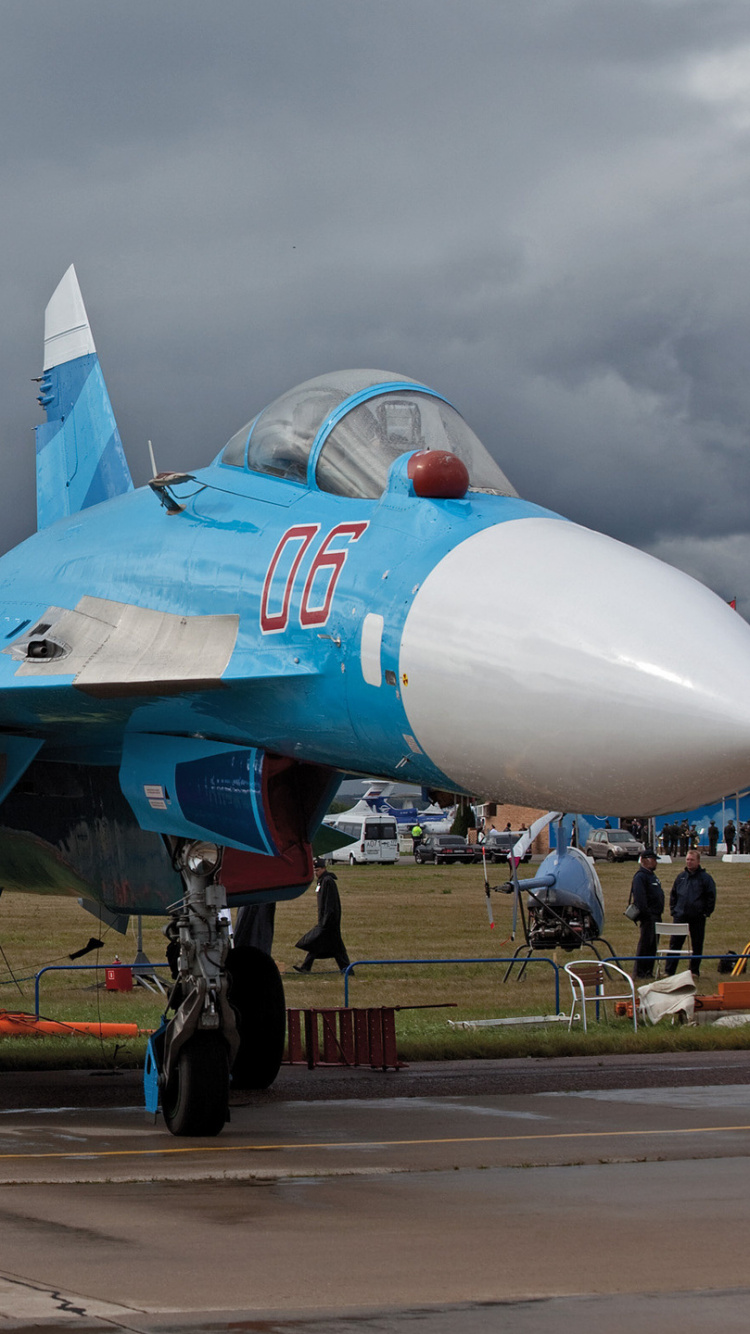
(388, 913)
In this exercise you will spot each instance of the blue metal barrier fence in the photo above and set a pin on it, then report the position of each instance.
(83, 968)
(360, 963)
(390, 963)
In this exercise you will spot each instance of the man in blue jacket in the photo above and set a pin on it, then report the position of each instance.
(692, 900)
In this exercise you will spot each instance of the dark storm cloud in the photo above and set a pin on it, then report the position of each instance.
(541, 209)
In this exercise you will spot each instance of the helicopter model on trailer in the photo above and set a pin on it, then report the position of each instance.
(564, 902)
(188, 668)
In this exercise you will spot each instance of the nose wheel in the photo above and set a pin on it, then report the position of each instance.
(195, 1100)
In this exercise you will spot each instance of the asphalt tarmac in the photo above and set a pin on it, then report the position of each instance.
(468, 1196)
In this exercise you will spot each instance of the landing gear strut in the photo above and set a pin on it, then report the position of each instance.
(198, 1046)
(229, 1007)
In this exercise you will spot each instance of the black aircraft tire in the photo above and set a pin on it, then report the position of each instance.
(257, 994)
(196, 1099)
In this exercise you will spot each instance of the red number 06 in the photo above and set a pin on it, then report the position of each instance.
(325, 560)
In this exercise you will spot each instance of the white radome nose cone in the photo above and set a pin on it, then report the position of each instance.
(550, 666)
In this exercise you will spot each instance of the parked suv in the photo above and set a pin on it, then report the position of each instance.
(615, 845)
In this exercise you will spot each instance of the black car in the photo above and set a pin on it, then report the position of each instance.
(442, 848)
(499, 844)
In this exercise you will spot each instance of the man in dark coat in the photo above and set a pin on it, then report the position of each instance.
(713, 838)
(684, 829)
(729, 835)
(648, 897)
(667, 834)
(324, 940)
(692, 900)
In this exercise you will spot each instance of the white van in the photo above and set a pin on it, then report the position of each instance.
(376, 838)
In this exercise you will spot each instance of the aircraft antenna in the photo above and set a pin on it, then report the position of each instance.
(153, 460)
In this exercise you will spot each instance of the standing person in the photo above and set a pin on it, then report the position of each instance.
(324, 941)
(713, 838)
(684, 838)
(648, 896)
(692, 900)
(729, 834)
(416, 836)
(255, 923)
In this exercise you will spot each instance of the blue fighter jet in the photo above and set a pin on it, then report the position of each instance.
(351, 585)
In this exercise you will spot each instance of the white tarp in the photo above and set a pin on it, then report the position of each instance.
(668, 996)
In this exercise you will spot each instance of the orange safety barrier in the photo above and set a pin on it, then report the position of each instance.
(732, 996)
(735, 995)
(343, 1037)
(23, 1025)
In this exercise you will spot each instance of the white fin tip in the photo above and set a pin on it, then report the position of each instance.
(67, 334)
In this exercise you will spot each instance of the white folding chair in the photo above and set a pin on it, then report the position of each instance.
(664, 951)
(590, 983)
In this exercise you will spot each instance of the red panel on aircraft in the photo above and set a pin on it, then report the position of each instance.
(290, 792)
(245, 872)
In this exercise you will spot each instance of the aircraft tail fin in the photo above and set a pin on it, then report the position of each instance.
(79, 456)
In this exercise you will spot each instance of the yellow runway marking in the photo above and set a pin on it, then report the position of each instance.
(373, 1144)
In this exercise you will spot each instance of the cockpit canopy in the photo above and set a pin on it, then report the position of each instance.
(341, 433)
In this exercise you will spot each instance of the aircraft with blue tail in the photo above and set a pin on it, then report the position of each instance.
(432, 817)
(187, 669)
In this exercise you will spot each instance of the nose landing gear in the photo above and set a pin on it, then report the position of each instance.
(229, 1005)
(193, 1053)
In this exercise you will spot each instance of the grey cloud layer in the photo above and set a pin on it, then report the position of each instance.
(540, 208)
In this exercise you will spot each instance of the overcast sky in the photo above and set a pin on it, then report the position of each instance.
(539, 207)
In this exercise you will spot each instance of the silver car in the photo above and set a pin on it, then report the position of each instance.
(615, 845)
